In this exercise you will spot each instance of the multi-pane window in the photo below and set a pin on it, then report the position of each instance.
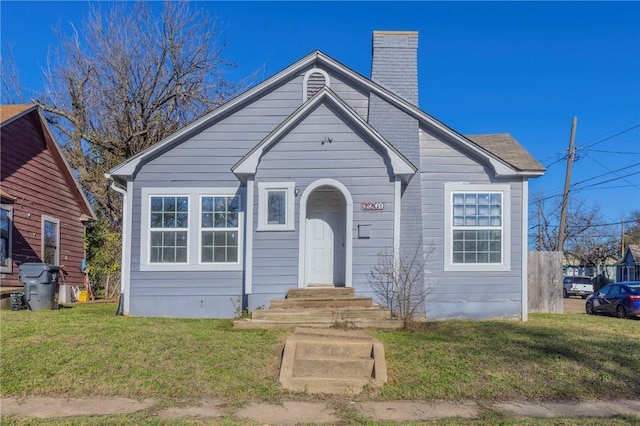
(5, 239)
(50, 240)
(219, 229)
(169, 223)
(477, 220)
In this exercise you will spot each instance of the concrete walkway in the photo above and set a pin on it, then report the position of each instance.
(296, 412)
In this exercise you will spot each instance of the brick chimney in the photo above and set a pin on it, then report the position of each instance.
(395, 67)
(395, 62)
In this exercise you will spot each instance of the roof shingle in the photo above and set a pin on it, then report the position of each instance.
(506, 148)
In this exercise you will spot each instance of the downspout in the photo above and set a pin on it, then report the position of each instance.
(123, 272)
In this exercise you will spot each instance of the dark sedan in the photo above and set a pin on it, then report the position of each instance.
(619, 299)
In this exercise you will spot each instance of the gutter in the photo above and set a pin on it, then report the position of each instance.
(123, 266)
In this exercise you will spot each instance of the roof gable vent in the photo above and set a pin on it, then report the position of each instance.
(314, 80)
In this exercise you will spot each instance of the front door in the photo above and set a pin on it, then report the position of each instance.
(325, 238)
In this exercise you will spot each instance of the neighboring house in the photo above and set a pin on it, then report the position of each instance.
(629, 267)
(306, 178)
(44, 211)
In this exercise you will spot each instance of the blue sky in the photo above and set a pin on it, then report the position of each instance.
(525, 68)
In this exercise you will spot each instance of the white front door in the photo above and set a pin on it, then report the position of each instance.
(325, 238)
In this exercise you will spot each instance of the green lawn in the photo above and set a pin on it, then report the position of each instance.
(88, 351)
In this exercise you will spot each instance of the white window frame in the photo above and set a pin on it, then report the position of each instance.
(9, 249)
(263, 195)
(455, 188)
(202, 229)
(150, 230)
(193, 231)
(50, 219)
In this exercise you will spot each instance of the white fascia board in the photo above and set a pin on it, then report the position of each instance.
(129, 167)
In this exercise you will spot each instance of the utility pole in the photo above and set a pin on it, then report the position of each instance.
(622, 239)
(539, 243)
(567, 184)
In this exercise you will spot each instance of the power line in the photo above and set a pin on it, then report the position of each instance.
(605, 174)
(602, 165)
(612, 136)
(575, 188)
(613, 152)
(584, 148)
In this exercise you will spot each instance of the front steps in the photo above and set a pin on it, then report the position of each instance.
(324, 361)
(321, 307)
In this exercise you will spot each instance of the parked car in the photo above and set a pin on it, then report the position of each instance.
(577, 286)
(619, 299)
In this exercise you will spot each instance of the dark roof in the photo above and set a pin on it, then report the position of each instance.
(505, 147)
(635, 251)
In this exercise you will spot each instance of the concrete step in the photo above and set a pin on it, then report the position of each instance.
(369, 324)
(320, 292)
(332, 361)
(351, 349)
(322, 315)
(333, 368)
(321, 302)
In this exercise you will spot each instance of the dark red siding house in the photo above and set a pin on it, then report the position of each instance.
(43, 210)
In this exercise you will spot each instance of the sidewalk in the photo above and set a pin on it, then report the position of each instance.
(296, 412)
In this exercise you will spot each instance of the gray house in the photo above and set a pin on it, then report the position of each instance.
(306, 178)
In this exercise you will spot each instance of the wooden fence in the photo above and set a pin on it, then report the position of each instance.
(545, 281)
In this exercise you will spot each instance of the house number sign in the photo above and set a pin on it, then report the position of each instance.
(372, 206)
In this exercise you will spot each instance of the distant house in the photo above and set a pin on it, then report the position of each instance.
(306, 178)
(629, 267)
(43, 210)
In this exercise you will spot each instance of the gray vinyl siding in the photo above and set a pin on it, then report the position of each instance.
(204, 161)
(301, 158)
(485, 294)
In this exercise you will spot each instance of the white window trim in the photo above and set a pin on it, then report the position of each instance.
(9, 268)
(46, 218)
(263, 190)
(449, 189)
(193, 241)
(200, 229)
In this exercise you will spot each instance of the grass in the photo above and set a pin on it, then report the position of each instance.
(88, 351)
(550, 357)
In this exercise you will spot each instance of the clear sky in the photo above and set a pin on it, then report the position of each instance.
(525, 68)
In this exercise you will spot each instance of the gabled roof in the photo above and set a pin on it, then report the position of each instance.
(249, 163)
(11, 113)
(501, 166)
(634, 249)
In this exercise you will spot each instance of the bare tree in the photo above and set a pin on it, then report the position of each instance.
(589, 239)
(10, 85)
(399, 281)
(126, 79)
(632, 230)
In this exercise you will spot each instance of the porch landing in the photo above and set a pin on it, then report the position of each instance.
(321, 307)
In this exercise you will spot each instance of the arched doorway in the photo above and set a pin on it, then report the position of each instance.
(326, 213)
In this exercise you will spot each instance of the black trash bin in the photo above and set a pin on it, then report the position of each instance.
(40, 284)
